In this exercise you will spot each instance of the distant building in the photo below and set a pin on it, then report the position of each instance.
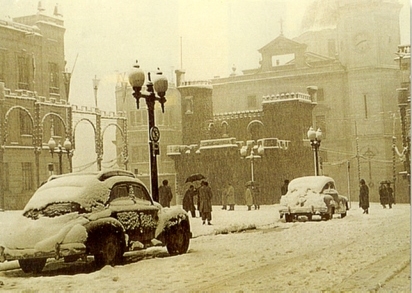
(346, 51)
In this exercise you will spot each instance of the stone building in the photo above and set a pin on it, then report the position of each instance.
(33, 104)
(346, 51)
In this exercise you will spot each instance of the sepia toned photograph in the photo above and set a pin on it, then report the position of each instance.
(205, 146)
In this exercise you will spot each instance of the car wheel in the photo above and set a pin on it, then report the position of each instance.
(288, 218)
(32, 265)
(309, 217)
(177, 239)
(343, 215)
(109, 252)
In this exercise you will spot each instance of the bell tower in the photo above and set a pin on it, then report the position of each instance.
(368, 32)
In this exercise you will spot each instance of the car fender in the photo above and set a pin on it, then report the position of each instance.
(169, 217)
(95, 229)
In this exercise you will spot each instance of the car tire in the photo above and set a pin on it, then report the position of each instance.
(35, 265)
(177, 239)
(288, 218)
(109, 251)
(342, 215)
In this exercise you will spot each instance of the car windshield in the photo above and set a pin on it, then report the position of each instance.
(54, 210)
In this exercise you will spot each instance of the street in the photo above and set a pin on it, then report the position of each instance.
(358, 253)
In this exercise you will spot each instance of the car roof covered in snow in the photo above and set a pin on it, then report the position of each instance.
(316, 183)
(87, 189)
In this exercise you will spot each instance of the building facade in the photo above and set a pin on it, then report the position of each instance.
(33, 105)
(346, 52)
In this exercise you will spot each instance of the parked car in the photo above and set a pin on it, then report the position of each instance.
(102, 214)
(312, 195)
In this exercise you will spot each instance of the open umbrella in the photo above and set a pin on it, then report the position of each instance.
(195, 177)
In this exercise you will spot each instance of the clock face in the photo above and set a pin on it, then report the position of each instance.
(361, 42)
(154, 134)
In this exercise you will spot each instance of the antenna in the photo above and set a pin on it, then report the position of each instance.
(181, 53)
(75, 60)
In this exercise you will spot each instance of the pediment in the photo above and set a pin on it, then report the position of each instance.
(282, 45)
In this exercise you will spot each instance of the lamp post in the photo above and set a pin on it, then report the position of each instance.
(252, 157)
(160, 85)
(315, 138)
(96, 82)
(60, 150)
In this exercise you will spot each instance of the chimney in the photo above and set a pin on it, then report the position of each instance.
(180, 77)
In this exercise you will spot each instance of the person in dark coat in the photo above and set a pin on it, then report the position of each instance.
(205, 206)
(284, 188)
(165, 194)
(391, 199)
(364, 196)
(188, 205)
(383, 194)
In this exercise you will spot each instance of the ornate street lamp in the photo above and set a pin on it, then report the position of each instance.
(160, 85)
(252, 157)
(315, 138)
(60, 150)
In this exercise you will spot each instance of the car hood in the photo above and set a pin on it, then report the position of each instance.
(43, 234)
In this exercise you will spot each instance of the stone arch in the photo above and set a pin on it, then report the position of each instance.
(255, 129)
(6, 122)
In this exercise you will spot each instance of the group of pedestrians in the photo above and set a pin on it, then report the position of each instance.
(385, 195)
(203, 197)
(252, 196)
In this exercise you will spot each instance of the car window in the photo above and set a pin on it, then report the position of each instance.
(119, 191)
(140, 192)
(328, 186)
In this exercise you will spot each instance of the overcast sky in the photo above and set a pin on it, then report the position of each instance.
(105, 37)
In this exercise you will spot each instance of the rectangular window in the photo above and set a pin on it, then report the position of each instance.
(251, 101)
(320, 95)
(365, 104)
(23, 70)
(54, 78)
(2, 66)
(189, 105)
(27, 177)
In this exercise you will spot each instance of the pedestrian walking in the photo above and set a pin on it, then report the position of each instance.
(224, 198)
(248, 197)
(188, 204)
(364, 196)
(284, 188)
(205, 207)
(256, 196)
(230, 196)
(383, 194)
(165, 194)
(391, 198)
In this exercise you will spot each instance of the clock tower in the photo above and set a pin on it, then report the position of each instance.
(368, 32)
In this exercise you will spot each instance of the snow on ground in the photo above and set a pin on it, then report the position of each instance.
(300, 257)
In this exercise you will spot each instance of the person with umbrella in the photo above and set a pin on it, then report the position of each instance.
(205, 197)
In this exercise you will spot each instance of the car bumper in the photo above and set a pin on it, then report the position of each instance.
(303, 210)
(60, 250)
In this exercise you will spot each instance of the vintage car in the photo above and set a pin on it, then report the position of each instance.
(101, 214)
(312, 195)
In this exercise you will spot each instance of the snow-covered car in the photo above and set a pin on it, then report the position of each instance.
(312, 195)
(102, 214)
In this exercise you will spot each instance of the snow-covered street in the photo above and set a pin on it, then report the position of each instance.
(357, 253)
